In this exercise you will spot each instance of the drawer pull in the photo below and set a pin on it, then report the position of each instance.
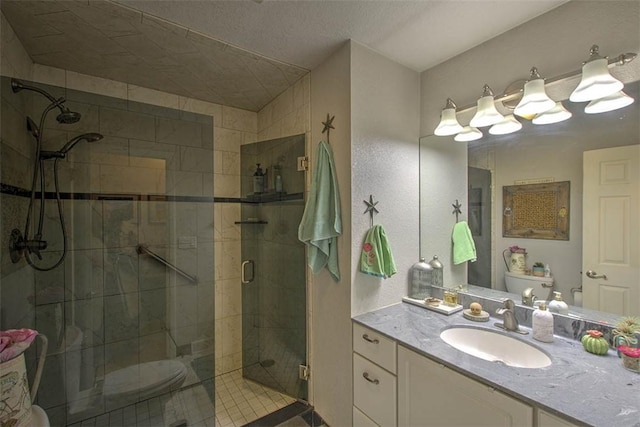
(365, 375)
(373, 341)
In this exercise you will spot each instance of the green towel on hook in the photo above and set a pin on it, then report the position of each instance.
(463, 247)
(321, 224)
(376, 258)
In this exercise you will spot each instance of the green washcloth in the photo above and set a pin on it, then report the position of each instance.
(376, 258)
(321, 224)
(463, 247)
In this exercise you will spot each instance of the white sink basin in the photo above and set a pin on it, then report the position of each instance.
(495, 346)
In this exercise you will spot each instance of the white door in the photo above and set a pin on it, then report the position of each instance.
(611, 231)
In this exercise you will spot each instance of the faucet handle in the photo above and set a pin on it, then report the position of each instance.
(509, 304)
(528, 297)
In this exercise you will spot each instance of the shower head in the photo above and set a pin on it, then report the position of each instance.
(89, 137)
(65, 117)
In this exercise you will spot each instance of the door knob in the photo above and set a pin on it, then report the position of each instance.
(593, 275)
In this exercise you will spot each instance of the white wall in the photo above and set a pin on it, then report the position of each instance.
(331, 301)
(376, 106)
(556, 42)
(385, 104)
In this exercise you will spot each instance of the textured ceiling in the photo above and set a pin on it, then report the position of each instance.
(416, 33)
(244, 53)
(111, 41)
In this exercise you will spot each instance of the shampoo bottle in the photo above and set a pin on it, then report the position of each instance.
(558, 305)
(258, 180)
(542, 324)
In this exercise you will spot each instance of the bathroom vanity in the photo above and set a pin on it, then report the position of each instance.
(405, 374)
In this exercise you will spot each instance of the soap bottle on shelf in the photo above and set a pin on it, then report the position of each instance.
(542, 324)
(547, 270)
(278, 184)
(557, 305)
(258, 180)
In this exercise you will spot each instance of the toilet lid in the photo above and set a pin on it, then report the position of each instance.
(144, 377)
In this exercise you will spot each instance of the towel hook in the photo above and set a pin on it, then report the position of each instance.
(371, 208)
(456, 209)
(328, 125)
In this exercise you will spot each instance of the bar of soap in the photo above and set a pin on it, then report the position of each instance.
(476, 308)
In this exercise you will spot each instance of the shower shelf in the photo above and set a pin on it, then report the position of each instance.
(251, 222)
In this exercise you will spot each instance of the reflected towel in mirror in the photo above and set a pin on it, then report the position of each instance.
(463, 247)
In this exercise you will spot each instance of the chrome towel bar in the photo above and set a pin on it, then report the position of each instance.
(144, 249)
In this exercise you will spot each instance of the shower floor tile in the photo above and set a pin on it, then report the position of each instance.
(240, 401)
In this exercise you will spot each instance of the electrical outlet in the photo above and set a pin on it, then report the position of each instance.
(187, 242)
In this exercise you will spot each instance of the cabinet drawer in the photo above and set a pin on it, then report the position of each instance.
(375, 347)
(374, 391)
(361, 420)
(546, 419)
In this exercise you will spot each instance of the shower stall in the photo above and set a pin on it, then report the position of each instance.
(108, 236)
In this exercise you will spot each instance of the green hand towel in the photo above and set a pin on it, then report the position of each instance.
(321, 224)
(463, 247)
(376, 258)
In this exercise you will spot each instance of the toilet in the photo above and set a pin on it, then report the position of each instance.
(120, 387)
(517, 283)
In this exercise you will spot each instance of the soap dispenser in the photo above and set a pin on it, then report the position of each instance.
(542, 324)
(558, 305)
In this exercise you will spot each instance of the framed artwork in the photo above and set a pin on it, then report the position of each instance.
(536, 211)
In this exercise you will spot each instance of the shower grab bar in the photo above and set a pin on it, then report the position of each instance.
(144, 249)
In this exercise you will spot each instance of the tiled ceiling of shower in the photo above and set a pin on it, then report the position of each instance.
(107, 40)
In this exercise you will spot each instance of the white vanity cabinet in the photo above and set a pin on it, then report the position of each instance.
(374, 378)
(396, 386)
(431, 394)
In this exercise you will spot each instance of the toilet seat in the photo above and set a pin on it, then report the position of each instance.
(144, 380)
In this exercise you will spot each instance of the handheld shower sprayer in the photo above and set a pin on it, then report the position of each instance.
(66, 116)
(62, 153)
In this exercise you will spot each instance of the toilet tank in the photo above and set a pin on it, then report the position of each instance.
(517, 283)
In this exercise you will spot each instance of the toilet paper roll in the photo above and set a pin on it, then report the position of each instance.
(577, 298)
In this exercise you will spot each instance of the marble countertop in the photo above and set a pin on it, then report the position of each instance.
(578, 386)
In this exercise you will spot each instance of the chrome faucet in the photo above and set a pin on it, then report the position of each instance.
(528, 298)
(509, 315)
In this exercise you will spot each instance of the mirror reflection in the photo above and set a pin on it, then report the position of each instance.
(597, 154)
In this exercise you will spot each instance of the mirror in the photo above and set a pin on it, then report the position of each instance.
(476, 172)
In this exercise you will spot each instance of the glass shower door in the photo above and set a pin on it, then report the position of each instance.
(274, 319)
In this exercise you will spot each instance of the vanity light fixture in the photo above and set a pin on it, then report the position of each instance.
(468, 133)
(535, 99)
(596, 81)
(448, 121)
(597, 85)
(487, 113)
(509, 125)
(555, 115)
(608, 103)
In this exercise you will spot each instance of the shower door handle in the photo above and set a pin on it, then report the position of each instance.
(243, 269)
